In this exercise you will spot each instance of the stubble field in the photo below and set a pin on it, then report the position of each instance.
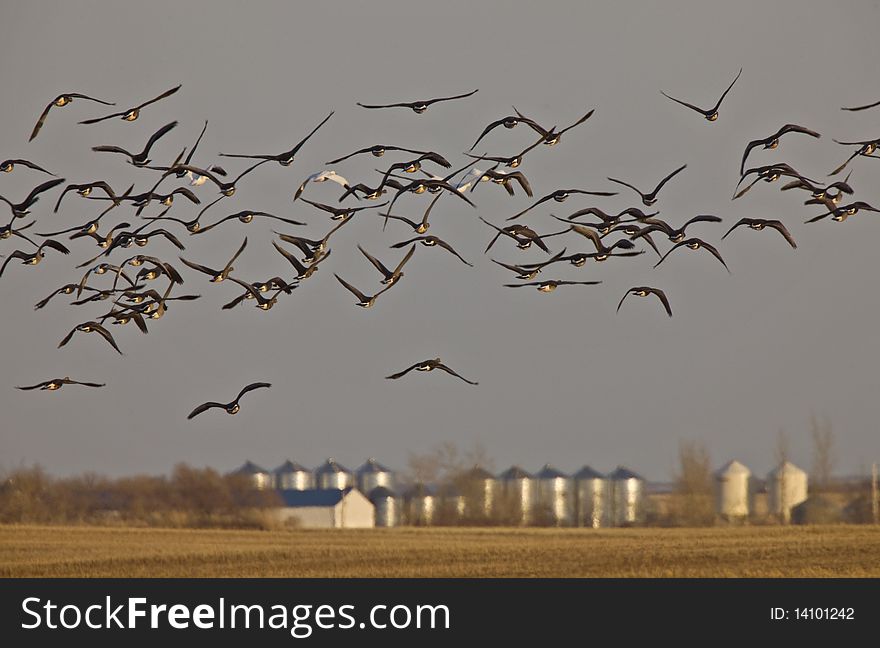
(50, 551)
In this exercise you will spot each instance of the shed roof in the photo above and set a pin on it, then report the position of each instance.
(312, 497)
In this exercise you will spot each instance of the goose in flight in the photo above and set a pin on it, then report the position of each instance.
(561, 195)
(232, 407)
(287, 157)
(91, 327)
(552, 284)
(650, 198)
(378, 150)
(644, 291)
(138, 159)
(417, 107)
(772, 141)
(133, 113)
(57, 383)
(759, 224)
(390, 276)
(712, 113)
(8, 166)
(429, 365)
(33, 258)
(217, 275)
(431, 241)
(364, 301)
(59, 102)
(694, 244)
(22, 209)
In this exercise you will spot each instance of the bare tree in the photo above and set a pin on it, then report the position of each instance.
(693, 484)
(822, 434)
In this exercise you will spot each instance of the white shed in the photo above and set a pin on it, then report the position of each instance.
(327, 508)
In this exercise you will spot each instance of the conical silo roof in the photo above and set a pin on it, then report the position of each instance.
(622, 473)
(733, 467)
(549, 472)
(331, 466)
(785, 468)
(249, 468)
(372, 466)
(290, 467)
(515, 472)
(588, 472)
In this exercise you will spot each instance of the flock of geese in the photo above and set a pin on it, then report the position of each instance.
(126, 279)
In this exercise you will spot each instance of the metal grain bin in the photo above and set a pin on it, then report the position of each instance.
(372, 475)
(387, 507)
(478, 487)
(260, 477)
(786, 488)
(333, 475)
(627, 497)
(592, 495)
(292, 476)
(516, 501)
(421, 504)
(732, 491)
(554, 497)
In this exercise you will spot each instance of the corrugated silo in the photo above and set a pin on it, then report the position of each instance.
(732, 491)
(333, 475)
(517, 495)
(627, 497)
(372, 474)
(554, 497)
(478, 487)
(786, 488)
(421, 505)
(591, 498)
(260, 477)
(292, 476)
(387, 507)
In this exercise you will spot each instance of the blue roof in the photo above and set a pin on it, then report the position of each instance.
(312, 497)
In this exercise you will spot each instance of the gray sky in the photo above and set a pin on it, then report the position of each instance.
(563, 378)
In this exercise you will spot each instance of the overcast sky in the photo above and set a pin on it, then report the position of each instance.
(563, 377)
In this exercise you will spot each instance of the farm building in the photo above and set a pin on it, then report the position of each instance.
(330, 508)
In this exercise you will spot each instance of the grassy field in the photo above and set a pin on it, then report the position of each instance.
(450, 552)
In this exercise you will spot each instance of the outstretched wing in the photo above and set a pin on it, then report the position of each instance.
(451, 372)
(251, 387)
(204, 407)
(668, 178)
(662, 296)
(400, 374)
(718, 105)
(357, 293)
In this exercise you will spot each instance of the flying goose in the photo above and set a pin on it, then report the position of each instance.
(231, 407)
(429, 365)
(712, 113)
(132, 113)
(417, 107)
(59, 102)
